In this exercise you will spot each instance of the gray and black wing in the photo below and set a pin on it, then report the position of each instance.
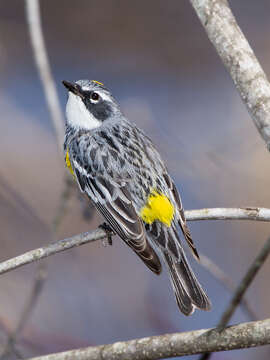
(182, 219)
(112, 199)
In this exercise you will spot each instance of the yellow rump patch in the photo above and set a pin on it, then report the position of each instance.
(68, 163)
(158, 207)
(98, 82)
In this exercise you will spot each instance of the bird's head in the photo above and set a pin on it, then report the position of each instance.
(89, 104)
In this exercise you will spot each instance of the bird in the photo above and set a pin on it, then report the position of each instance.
(120, 170)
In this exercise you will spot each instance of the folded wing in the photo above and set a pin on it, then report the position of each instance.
(112, 199)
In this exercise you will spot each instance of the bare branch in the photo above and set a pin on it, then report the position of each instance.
(226, 281)
(41, 276)
(43, 66)
(51, 249)
(165, 346)
(49, 88)
(245, 283)
(242, 288)
(239, 59)
(16, 198)
(243, 213)
(254, 89)
(80, 239)
(10, 346)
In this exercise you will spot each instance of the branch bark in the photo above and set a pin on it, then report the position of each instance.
(43, 67)
(241, 289)
(240, 336)
(33, 16)
(239, 59)
(245, 283)
(227, 282)
(254, 89)
(51, 249)
(243, 213)
(260, 214)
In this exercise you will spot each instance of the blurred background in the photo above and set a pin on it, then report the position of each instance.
(158, 62)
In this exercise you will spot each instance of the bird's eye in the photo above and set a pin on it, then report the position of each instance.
(94, 96)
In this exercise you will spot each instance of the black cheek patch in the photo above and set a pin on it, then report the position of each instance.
(101, 110)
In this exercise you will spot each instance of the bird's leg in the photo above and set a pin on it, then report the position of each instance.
(104, 226)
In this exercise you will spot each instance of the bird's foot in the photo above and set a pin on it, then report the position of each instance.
(109, 232)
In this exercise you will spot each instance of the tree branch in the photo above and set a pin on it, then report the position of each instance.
(10, 346)
(240, 336)
(15, 198)
(32, 9)
(80, 239)
(51, 249)
(242, 288)
(239, 59)
(254, 89)
(43, 66)
(243, 213)
(227, 282)
(245, 283)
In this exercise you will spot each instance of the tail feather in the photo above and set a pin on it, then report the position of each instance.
(182, 297)
(188, 292)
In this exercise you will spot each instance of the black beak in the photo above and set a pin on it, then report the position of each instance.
(73, 87)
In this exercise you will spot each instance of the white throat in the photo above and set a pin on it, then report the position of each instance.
(78, 115)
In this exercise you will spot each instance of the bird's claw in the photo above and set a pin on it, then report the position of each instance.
(109, 233)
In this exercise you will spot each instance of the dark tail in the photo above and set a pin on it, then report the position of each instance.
(188, 292)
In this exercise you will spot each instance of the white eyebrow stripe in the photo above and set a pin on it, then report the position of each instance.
(103, 95)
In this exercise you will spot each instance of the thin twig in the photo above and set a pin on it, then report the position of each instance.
(42, 63)
(245, 283)
(240, 336)
(239, 59)
(242, 213)
(49, 88)
(51, 249)
(10, 346)
(41, 274)
(14, 197)
(23, 206)
(226, 281)
(242, 288)
(99, 234)
(40, 278)
(254, 89)
(205, 261)
(11, 350)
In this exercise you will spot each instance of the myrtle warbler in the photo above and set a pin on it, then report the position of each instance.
(122, 173)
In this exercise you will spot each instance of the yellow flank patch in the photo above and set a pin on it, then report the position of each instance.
(98, 82)
(158, 207)
(68, 163)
